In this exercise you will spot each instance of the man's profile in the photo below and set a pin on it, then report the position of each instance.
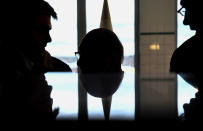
(186, 60)
(24, 91)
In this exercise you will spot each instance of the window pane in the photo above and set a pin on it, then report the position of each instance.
(185, 90)
(122, 16)
(184, 31)
(122, 19)
(63, 46)
(64, 32)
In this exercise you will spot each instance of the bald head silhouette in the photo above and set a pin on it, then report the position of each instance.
(100, 51)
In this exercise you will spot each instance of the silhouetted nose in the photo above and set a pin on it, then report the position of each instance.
(186, 18)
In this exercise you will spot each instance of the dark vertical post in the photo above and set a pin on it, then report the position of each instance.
(137, 59)
(176, 34)
(81, 26)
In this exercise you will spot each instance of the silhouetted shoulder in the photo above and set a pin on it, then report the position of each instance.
(187, 57)
(60, 65)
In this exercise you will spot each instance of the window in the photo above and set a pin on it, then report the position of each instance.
(64, 44)
(185, 90)
(122, 19)
(64, 32)
(156, 37)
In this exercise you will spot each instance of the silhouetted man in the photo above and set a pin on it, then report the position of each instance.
(99, 63)
(187, 59)
(24, 91)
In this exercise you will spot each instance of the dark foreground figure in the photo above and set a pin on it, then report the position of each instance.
(187, 59)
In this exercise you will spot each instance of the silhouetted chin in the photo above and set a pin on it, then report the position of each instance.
(101, 84)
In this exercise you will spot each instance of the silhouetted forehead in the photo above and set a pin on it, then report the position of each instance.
(44, 21)
(195, 4)
(101, 41)
(99, 38)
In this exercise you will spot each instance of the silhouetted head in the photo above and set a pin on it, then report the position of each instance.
(100, 51)
(39, 20)
(192, 15)
(28, 24)
(41, 24)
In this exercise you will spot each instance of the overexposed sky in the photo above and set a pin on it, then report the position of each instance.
(64, 30)
(184, 31)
